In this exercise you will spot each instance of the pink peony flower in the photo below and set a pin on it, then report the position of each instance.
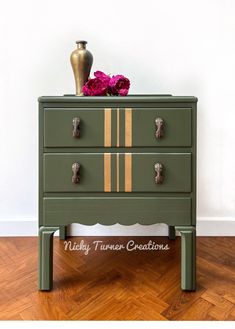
(119, 85)
(102, 85)
(101, 75)
(96, 87)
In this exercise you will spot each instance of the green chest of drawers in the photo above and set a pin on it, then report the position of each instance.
(120, 160)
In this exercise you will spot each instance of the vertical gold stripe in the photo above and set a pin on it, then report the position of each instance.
(107, 127)
(107, 172)
(118, 142)
(128, 172)
(117, 172)
(128, 127)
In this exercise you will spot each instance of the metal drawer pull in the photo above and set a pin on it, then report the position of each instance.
(75, 170)
(159, 123)
(76, 127)
(159, 178)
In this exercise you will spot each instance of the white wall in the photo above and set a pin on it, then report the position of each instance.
(184, 47)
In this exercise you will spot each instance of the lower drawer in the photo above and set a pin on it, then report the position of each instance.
(117, 172)
(111, 210)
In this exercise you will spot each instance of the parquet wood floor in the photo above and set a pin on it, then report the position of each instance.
(117, 285)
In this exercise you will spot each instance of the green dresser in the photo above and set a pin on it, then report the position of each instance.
(120, 160)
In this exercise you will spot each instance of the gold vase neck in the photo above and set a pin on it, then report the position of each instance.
(81, 44)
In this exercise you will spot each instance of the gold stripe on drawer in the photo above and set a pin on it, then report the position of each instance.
(118, 128)
(128, 172)
(128, 127)
(107, 127)
(117, 172)
(107, 172)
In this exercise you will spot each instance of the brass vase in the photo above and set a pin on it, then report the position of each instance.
(81, 61)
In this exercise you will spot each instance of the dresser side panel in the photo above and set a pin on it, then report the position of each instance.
(194, 163)
(40, 163)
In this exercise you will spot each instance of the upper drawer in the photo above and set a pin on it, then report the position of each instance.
(117, 172)
(124, 127)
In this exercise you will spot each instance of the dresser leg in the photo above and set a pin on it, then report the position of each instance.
(188, 257)
(46, 257)
(63, 232)
(171, 232)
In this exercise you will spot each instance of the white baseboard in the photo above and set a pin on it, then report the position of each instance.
(206, 226)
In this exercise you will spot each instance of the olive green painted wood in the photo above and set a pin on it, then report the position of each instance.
(40, 164)
(176, 172)
(117, 99)
(112, 210)
(119, 150)
(57, 212)
(63, 232)
(177, 127)
(114, 128)
(194, 164)
(188, 257)
(171, 232)
(58, 172)
(58, 127)
(114, 194)
(46, 257)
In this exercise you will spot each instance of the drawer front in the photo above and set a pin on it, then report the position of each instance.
(59, 128)
(124, 127)
(118, 172)
(112, 210)
(159, 127)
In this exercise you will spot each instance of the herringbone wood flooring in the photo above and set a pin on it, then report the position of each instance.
(109, 285)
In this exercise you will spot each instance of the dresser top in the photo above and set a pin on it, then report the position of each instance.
(120, 99)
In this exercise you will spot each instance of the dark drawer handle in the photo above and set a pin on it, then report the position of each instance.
(159, 178)
(159, 123)
(76, 127)
(75, 170)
